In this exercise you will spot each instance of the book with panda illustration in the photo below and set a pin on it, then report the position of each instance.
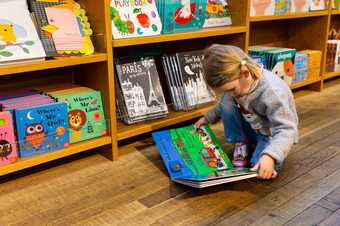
(195, 158)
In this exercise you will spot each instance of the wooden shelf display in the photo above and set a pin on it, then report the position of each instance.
(300, 31)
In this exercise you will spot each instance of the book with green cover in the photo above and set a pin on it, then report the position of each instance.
(86, 116)
(195, 158)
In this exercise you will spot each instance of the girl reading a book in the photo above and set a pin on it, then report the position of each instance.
(256, 107)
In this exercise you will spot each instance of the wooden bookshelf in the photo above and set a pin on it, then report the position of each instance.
(305, 83)
(332, 74)
(335, 12)
(127, 131)
(50, 156)
(289, 16)
(218, 31)
(52, 63)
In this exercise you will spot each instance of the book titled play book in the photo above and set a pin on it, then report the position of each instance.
(195, 158)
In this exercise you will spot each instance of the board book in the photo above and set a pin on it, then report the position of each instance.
(195, 158)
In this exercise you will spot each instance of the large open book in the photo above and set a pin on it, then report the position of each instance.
(195, 158)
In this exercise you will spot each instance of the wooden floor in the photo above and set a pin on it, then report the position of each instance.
(136, 190)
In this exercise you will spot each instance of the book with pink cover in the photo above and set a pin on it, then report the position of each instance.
(8, 148)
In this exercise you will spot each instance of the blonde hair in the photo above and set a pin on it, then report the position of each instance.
(223, 62)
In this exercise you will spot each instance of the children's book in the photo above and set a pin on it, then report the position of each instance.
(195, 158)
(182, 15)
(86, 118)
(18, 4)
(19, 40)
(141, 89)
(134, 19)
(8, 145)
(262, 8)
(217, 13)
(42, 128)
(63, 27)
(317, 5)
(280, 7)
(297, 6)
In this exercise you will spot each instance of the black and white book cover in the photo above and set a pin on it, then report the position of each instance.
(141, 88)
(169, 82)
(191, 68)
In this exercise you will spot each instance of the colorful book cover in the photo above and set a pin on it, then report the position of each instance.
(86, 118)
(315, 5)
(18, 38)
(282, 63)
(63, 27)
(298, 6)
(217, 13)
(280, 7)
(134, 19)
(183, 15)
(42, 129)
(194, 156)
(262, 7)
(8, 146)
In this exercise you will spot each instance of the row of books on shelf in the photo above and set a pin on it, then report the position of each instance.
(277, 7)
(288, 64)
(48, 119)
(333, 55)
(147, 18)
(140, 92)
(32, 30)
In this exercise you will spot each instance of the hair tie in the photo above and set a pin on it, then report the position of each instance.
(243, 62)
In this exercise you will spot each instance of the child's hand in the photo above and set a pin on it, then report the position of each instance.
(265, 167)
(200, 122)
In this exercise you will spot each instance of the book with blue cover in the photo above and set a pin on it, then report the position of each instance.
(195, 158)
(182, 15)
(42, 128)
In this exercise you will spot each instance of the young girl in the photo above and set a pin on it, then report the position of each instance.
(256, 107)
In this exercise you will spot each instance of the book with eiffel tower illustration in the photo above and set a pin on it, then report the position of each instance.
(141, 93)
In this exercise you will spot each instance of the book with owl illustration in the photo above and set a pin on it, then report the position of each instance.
(217, 13)
(42, 128)
(86, 118)
(194, 157)
(182, 15)
(141, 89)
(194, 82)
(63, 27)
(19, 40)
(262, 8)
(134, 18)
(8, 145)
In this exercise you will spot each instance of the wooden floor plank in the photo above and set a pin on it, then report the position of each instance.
(314, 215)
(333, 220)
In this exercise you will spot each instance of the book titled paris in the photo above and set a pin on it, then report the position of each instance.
(141, 88)
(134, 18)
(42, 129)
(8, 146)
(183, 15)
(191, 69)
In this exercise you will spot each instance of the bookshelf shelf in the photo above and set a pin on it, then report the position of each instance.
(127, 131)
(52, 63)
(43, 158)
(331, 74)
(289, 16)
(219, 31)
(305, 83)
(335, 12)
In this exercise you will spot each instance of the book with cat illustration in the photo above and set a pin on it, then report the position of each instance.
(195, 158)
